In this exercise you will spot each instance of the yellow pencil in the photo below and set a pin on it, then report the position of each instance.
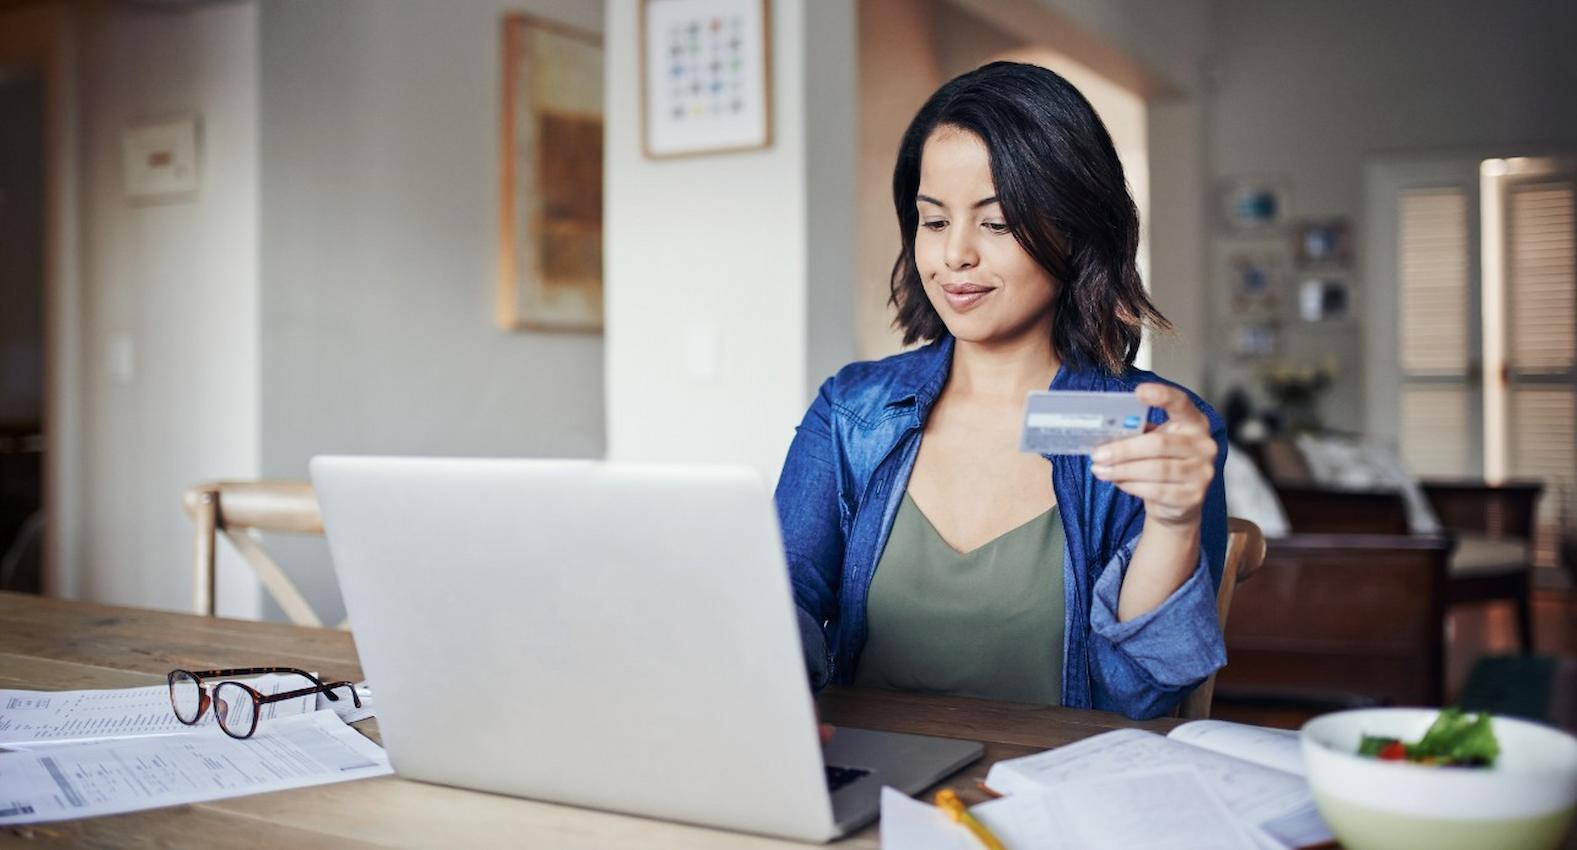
(948, 802)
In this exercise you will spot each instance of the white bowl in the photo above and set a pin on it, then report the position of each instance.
(1524, 802)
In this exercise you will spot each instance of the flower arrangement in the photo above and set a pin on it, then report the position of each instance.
(1295, 388)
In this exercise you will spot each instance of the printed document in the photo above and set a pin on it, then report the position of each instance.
(1162, 809)
(1257, 788)
(34, 718)
(130, 774)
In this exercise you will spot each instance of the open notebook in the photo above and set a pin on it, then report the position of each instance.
(1257, 773)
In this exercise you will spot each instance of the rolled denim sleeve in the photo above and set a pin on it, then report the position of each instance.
(1170, 648)
(1142, 667)
(808, 511)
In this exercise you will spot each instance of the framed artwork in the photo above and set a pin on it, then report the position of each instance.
(1324, 299)
(706, 82)
(550, 178)
(1323, 243)
(160, 160)
(1255, 204)
(1256, 340)
(1256, 283)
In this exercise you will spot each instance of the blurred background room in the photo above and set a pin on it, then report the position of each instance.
(235, 234)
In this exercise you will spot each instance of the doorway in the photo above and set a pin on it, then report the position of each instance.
(22, 381)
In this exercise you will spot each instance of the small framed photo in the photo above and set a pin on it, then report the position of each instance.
(1256, 340)
(160, 160)
(1323, 243)
(706, 76)
(1255, 204)
(1324, 299)
(1256, 283)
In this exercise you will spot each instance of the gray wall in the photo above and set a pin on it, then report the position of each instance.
(379, 219)
(168, 303)
(1312, 91)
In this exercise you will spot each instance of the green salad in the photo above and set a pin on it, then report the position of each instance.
(1454, 740)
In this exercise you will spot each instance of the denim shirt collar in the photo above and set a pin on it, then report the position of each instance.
(925, 373)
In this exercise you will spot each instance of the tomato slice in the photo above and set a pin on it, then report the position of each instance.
(1394, 751)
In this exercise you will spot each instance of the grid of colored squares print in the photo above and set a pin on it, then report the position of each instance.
(705, 69)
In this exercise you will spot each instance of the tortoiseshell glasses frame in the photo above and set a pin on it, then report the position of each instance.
(183, 683)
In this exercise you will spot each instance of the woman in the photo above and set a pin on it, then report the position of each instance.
(925, 551)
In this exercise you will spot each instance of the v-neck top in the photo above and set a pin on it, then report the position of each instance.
(985, 623)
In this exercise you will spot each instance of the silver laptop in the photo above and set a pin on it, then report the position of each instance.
(614, 636)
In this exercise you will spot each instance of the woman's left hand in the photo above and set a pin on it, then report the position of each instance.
(1169, 468)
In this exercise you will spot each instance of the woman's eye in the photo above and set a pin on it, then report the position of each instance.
(933, 225)
(996, 227)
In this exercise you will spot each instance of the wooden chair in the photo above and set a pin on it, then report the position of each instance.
(234, 509)
(1245, 553)
(1494, 526)
(1341, 620)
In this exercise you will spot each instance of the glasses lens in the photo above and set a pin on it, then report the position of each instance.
(185, 696)
(236, 709)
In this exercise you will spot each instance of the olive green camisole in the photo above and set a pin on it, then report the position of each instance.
(986, 623)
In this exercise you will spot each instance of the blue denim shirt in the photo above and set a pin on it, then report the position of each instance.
(846, 473)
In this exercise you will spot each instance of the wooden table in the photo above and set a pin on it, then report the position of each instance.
(51, 644)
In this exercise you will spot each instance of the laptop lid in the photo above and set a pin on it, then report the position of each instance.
(614, 636)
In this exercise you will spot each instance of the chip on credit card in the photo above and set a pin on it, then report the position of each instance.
(1061, 422)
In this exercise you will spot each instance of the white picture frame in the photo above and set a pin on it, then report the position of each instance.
(159, 159)
(706, 82)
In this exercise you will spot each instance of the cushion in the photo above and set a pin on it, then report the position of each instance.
(1479, 555)
(1250, 496)
(1344, 463)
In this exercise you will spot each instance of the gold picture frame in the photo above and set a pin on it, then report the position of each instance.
(550, 178)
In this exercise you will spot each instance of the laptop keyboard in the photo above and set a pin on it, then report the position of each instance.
(838, 777)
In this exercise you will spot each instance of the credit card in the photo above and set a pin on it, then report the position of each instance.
(1073, 423)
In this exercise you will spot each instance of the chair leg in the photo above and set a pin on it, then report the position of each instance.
(1525, 619)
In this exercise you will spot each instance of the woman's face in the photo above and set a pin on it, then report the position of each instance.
(980, 280)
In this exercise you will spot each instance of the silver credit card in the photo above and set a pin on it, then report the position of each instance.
(1063, 422)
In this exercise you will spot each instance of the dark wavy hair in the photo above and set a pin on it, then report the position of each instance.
(1065, 200)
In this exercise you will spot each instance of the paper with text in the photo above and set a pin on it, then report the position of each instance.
(1275, 801)
(36, 718)
(1275, 748)
(345, 707)
(125, 775)
(1162, 809)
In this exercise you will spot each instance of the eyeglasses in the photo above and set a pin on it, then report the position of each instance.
(236, 705)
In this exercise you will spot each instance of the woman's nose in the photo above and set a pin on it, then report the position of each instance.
(960, 250)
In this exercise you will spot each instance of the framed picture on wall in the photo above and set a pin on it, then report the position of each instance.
(1325, 300)
(1258, 203)
(706, 83)
(159, 160)
(550, 178)
(1323, 242)
(1256, 340)
(1256, 283)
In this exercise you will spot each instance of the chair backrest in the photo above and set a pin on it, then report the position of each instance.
(234, 509)
(1245, 553)
(1342, 619)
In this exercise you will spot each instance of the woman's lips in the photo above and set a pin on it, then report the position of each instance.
(965, 296)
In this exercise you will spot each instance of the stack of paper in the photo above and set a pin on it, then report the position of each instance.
(130, 774)
(1209, 784)
(38, 718)
(72, 754)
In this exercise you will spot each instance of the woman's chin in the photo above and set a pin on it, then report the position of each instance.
(986, 330)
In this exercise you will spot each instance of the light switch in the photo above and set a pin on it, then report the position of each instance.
(121, 358)
(700, 351)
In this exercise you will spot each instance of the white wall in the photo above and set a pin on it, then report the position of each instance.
(379, 153)
(176, 284)
(909, 48)
(1313, 91)
(715, 252)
